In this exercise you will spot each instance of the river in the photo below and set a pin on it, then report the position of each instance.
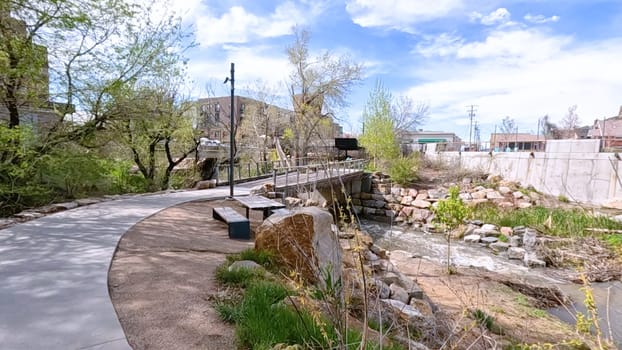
(433, 247)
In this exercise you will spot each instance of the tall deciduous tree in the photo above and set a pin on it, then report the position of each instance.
(318, 86)
(379, 137)
(263, 120)
(407, 114)
(86, 48)
(151, 121)
(508, 125)
(570, 122)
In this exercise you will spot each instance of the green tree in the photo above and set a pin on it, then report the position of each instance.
(151, 121)
(451, 213)
(379, 137)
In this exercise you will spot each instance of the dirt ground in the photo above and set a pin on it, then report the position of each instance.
(516, 316)
(163, 273)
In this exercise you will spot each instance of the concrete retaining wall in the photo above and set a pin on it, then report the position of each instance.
(571, 168)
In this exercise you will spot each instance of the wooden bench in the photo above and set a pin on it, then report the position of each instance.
(239, 226)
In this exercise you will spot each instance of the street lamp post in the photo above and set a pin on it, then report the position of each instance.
(231, 130)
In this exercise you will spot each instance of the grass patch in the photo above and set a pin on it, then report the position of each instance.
(483, 319)
(522, 300)
(539, 313)
(262, 257)
(614, 240)
(238, 277)
(556, 222)
(263, 319)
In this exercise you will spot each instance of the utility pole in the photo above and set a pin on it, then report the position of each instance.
(231, 79)
(471, 109)
(477, 137)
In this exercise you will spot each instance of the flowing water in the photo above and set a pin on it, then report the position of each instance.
(433, 247)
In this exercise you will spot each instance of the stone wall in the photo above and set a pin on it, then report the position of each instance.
(385, 201)
(572, 168)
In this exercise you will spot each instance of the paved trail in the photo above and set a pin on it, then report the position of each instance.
(54, 273)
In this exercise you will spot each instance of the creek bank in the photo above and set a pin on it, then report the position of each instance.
(422, 255)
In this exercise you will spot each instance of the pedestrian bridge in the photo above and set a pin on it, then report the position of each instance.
(295, 179)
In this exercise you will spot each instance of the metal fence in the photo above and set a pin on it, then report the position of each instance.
(305, 166)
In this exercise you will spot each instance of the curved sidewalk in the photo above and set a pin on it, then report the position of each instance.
(54, 273)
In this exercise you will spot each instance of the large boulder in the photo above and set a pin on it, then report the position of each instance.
(305, 242)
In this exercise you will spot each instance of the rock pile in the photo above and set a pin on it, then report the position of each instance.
(388, 201)
(516, 243)
(393, 298)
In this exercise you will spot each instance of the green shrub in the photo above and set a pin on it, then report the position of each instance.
(403, 170)
(451, 211)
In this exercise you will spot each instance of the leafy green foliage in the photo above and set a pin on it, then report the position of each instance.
(451, 211)
(379, 136)
(403, 170)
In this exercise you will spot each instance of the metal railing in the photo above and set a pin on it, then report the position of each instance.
(257, 170)
(304, 175)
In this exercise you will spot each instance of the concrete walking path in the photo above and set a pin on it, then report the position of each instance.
(54, 273)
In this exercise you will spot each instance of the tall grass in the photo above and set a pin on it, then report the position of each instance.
(263, 317)
(555, 222)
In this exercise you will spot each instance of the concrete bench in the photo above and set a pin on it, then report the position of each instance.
(239, 226)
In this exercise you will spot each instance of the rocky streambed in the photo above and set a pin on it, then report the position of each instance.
(479, 255)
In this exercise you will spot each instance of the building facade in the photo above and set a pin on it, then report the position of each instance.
(515, 142)
(32, 98)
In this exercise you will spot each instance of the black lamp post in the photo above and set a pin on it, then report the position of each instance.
(231, 130)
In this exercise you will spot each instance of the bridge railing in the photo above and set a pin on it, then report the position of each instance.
(257, 170)
(311, 173)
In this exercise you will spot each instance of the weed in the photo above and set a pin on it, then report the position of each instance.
(563, 199)
(483, 319)
(503, 238)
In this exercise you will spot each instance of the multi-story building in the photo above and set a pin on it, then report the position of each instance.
(213, 116)
(32, 97)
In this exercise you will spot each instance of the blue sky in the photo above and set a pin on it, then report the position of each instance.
(523, 59)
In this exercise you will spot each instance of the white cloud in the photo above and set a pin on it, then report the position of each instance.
(238, 25)
(398, 14)
(523, 74)
(263, 63)
(540, 19)
(498, 16)
(518, 45)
